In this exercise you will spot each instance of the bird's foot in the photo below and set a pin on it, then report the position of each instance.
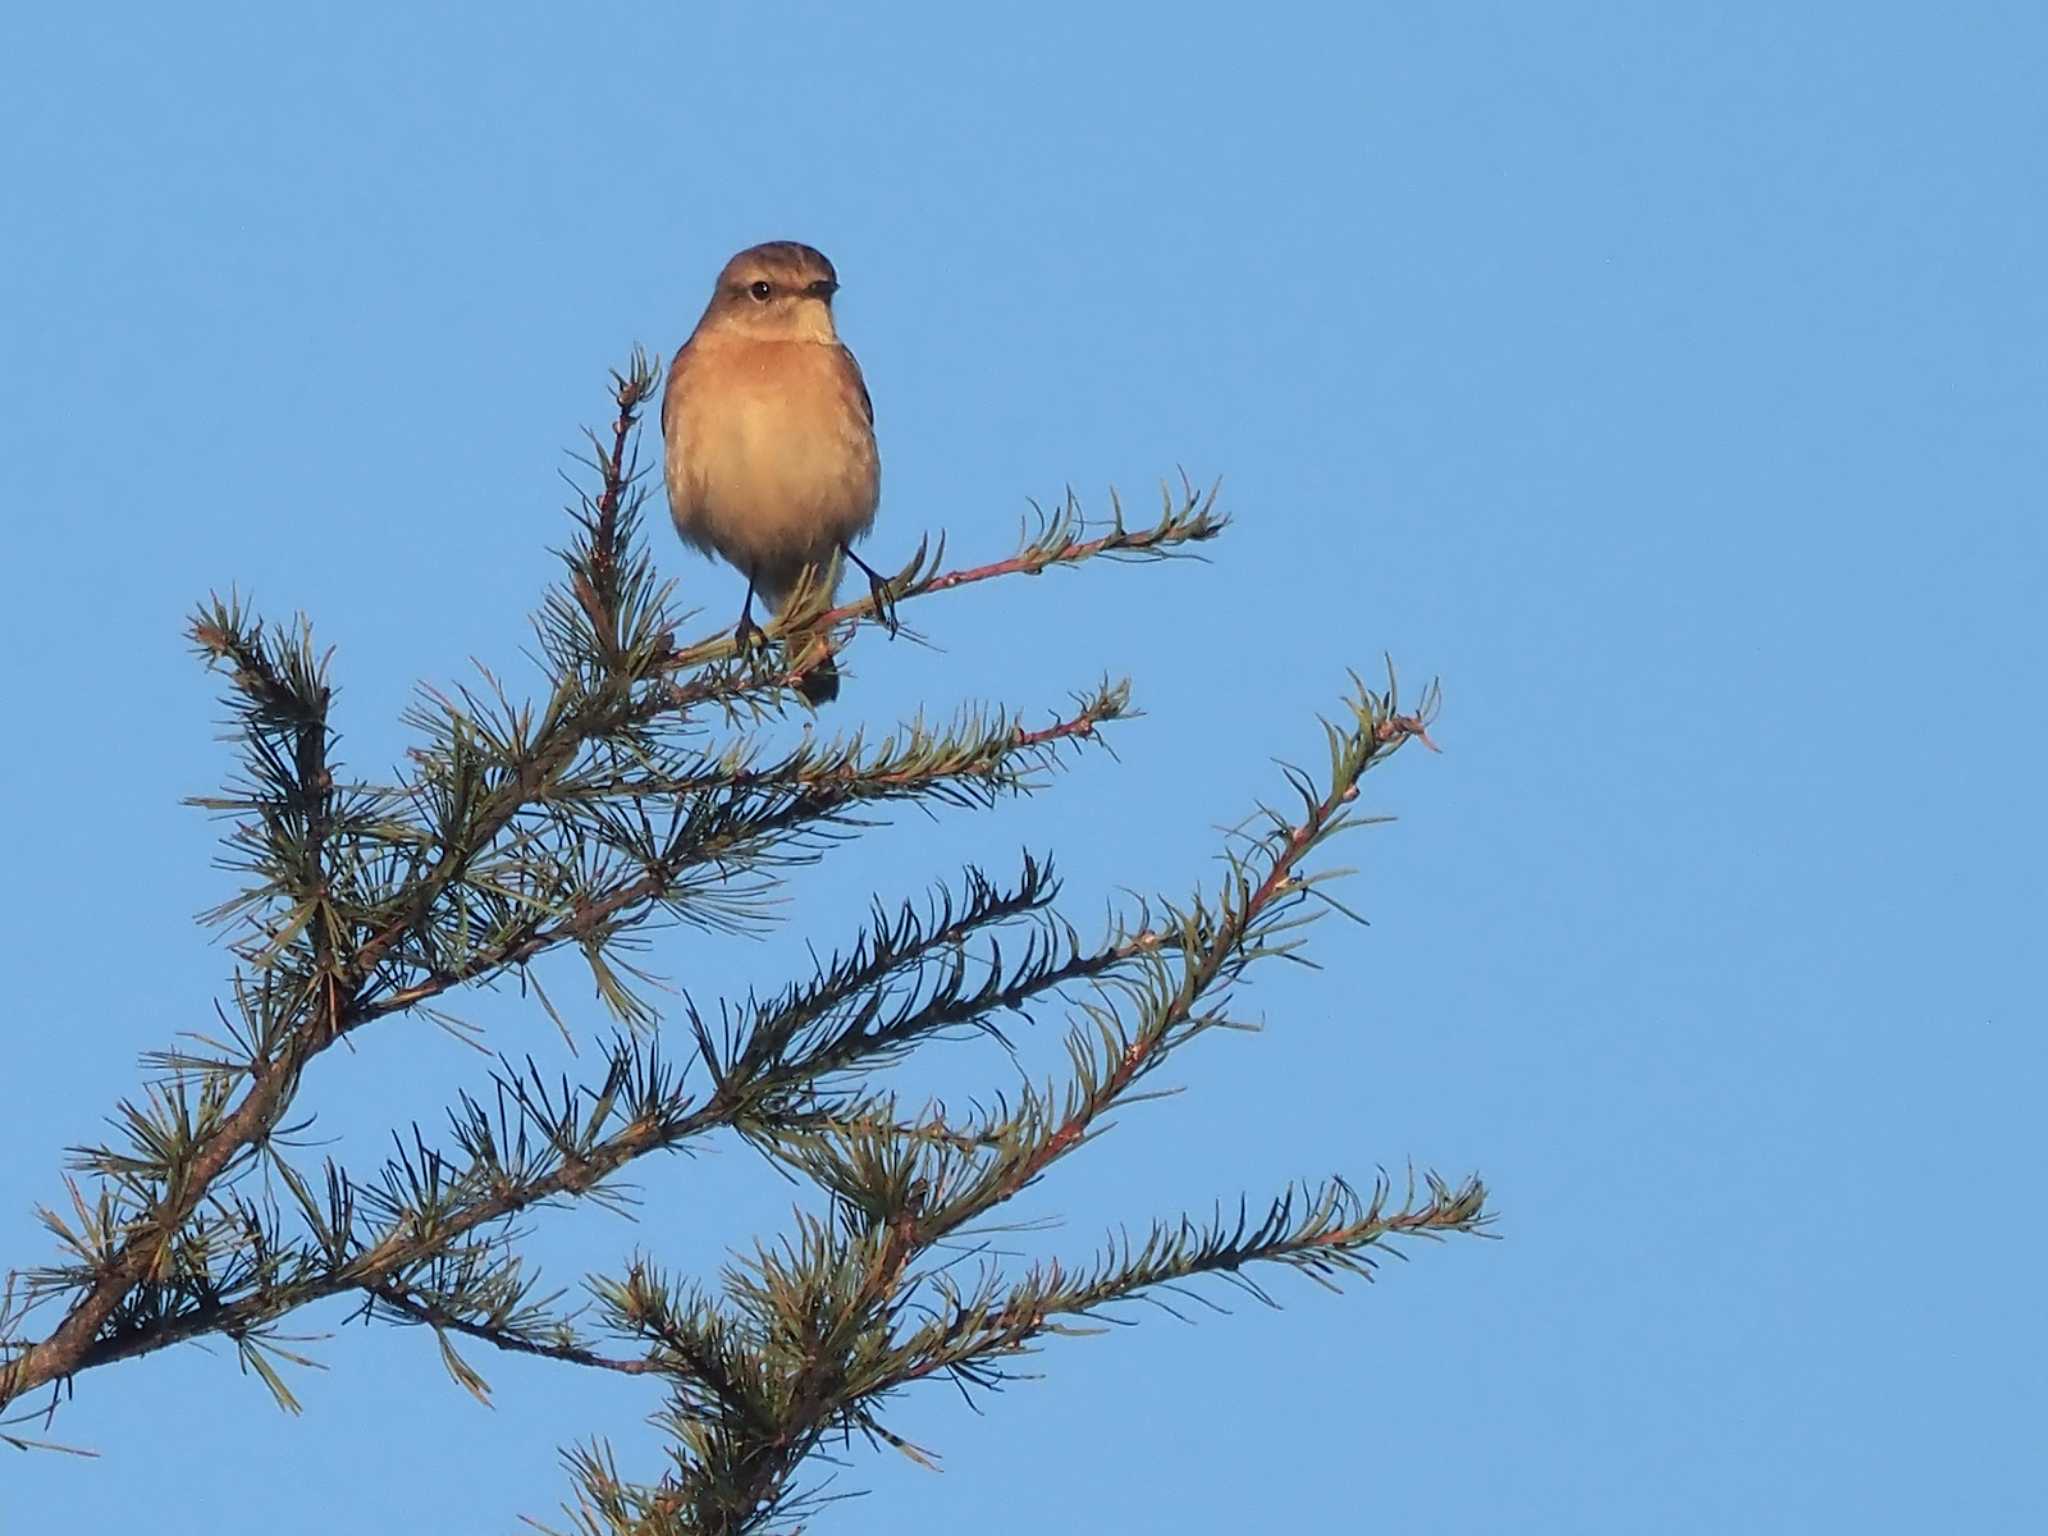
(749, 637)
(879, 591)
(885, 602)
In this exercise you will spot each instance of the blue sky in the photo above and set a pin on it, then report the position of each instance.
(1669, 381)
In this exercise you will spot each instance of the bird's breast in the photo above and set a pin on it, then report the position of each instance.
(771, 460)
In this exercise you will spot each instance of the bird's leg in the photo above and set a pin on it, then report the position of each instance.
(749, 637)
(878, 586)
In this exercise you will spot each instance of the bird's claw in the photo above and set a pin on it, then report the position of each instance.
(885, 602)
(749, 636)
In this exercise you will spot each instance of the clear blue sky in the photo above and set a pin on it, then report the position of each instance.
(1669, 380)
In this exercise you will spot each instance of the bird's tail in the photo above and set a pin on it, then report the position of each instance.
(813, 591)
(820, 684)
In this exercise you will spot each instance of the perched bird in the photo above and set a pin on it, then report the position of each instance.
(770, 437)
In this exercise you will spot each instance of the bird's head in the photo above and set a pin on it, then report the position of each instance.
(781, 291)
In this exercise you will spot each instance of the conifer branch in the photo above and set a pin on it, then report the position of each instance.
(824, 1310)
(1053, 537)
(1324, 1232)
(577, 820)
(512, 1340)
(328, 965)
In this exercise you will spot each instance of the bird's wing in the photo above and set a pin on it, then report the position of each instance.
(867, 403)
(672, 396)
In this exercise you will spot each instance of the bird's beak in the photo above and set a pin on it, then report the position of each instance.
(823, 288)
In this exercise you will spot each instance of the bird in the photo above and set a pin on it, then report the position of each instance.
(768, 437)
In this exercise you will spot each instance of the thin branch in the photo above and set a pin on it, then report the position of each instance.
(399, 1300)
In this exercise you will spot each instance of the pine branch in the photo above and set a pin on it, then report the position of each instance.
(444, 1319)
(281, 696)
(596, 583)
(1212, 947)
(346, 927)
(1062, 537)
(581, 818)
(1326, 1232)
(822, 1312)
(742, 825)
(425, 1207)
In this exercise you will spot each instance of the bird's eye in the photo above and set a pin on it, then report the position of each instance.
(761, 292)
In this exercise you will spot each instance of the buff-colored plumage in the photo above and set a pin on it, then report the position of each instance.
(768, 430)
